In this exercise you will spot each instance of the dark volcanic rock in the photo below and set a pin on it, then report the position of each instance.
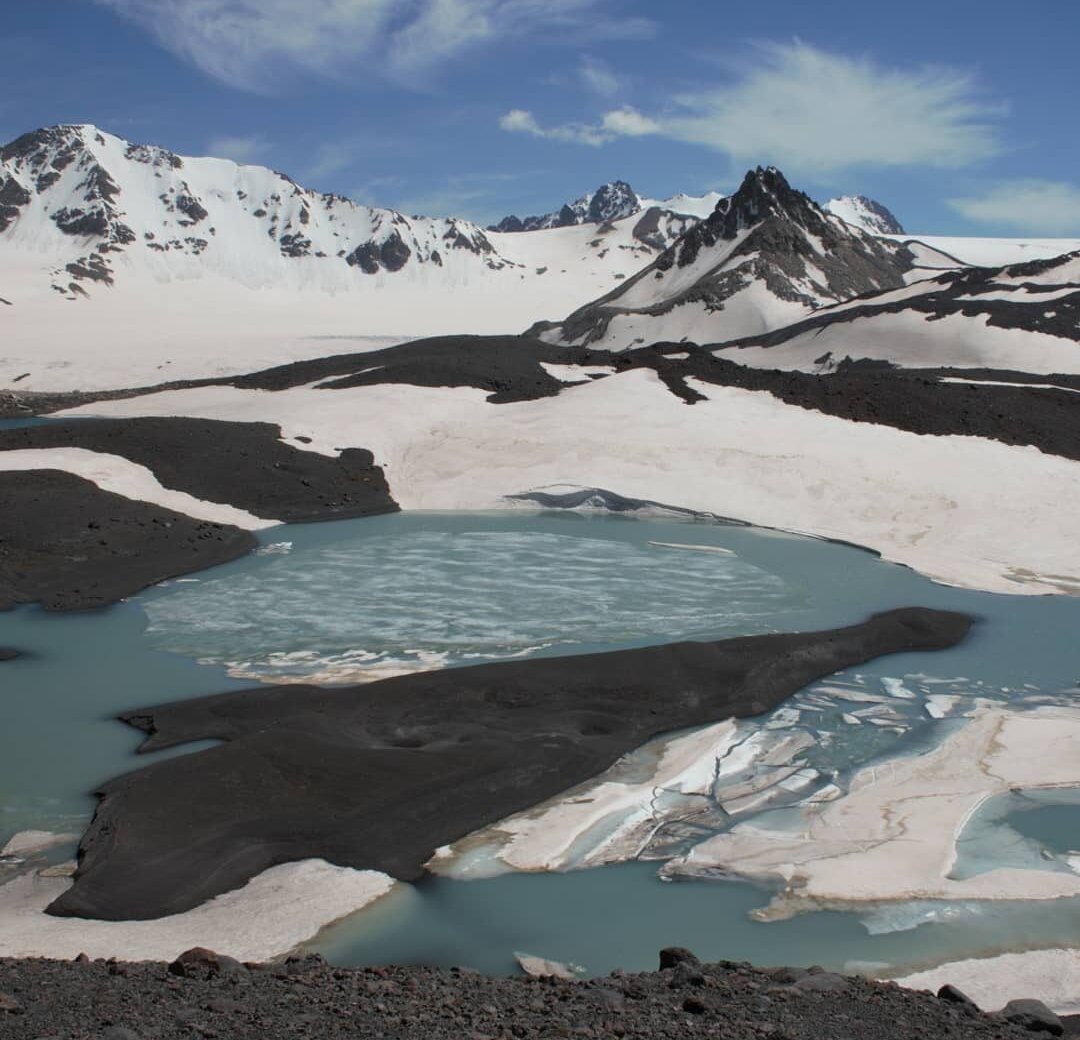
(377, 776)
(13, 196)
(199, 962)
(245, 465)
(67, 544)
(955, 996)
(311, 998)
(670, 956)
(508, 367)
(1034, 1016)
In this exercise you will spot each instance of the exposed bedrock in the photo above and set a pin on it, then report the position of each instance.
(378, 776)
(245, 465)
(67, 544)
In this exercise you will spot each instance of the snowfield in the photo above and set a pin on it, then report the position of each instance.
(738, 453)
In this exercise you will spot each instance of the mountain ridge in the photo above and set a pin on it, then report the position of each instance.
(768, 251)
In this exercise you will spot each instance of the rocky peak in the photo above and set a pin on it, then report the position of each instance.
(108, 197)
(764, 193)
(769, 241)
(774, 219)
(611, 201)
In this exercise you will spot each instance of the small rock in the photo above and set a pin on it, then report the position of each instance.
(786, 976)
(1034, 1016)
(9, 1005)
(540, 968)
(672, 955)
(199, 962)
(686, 974)
(694, 1006)
(953, 995)
(822, 982)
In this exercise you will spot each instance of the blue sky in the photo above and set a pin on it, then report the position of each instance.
(958, 115)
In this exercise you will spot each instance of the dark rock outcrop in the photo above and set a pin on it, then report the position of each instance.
(380, 775)
(69, 545)
(246, 465)
(611, 201)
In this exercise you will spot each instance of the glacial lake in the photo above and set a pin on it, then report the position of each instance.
(357, 600)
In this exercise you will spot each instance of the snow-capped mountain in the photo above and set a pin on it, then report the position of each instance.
(767, 256)
(1020, 318)
(92, 197)
(861, 212)
(611, 201)
(617, 201)
(201, 265)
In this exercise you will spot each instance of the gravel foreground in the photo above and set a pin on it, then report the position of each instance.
(203, 995)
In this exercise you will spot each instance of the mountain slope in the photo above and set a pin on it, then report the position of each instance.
(864, 213)
(1019, 318)
(766, 256)
(91, 196)
(164, 266)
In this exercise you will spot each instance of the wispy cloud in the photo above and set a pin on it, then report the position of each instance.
(815, 110)
(239, 149)
(330, 158)
(599, 78)
(249, 43)
(520, 121)
(1033, 206)
(471, 195)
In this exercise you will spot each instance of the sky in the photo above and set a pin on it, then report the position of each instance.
(959, 115)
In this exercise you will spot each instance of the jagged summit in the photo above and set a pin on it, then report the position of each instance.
(865, 213)
(88, 197)
(610, 201)
(766, 256)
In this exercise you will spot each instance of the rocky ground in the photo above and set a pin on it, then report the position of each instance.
(201, 995)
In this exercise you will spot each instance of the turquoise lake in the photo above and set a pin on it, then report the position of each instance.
(358, 600)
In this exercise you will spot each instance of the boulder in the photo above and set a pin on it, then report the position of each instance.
(1033, 1015)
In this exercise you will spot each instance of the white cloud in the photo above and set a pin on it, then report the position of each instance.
(239, 149)
(249, 43)
(1033, 206)
(629, 122)
(520, 121)
(600, 78)
(814, 110)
